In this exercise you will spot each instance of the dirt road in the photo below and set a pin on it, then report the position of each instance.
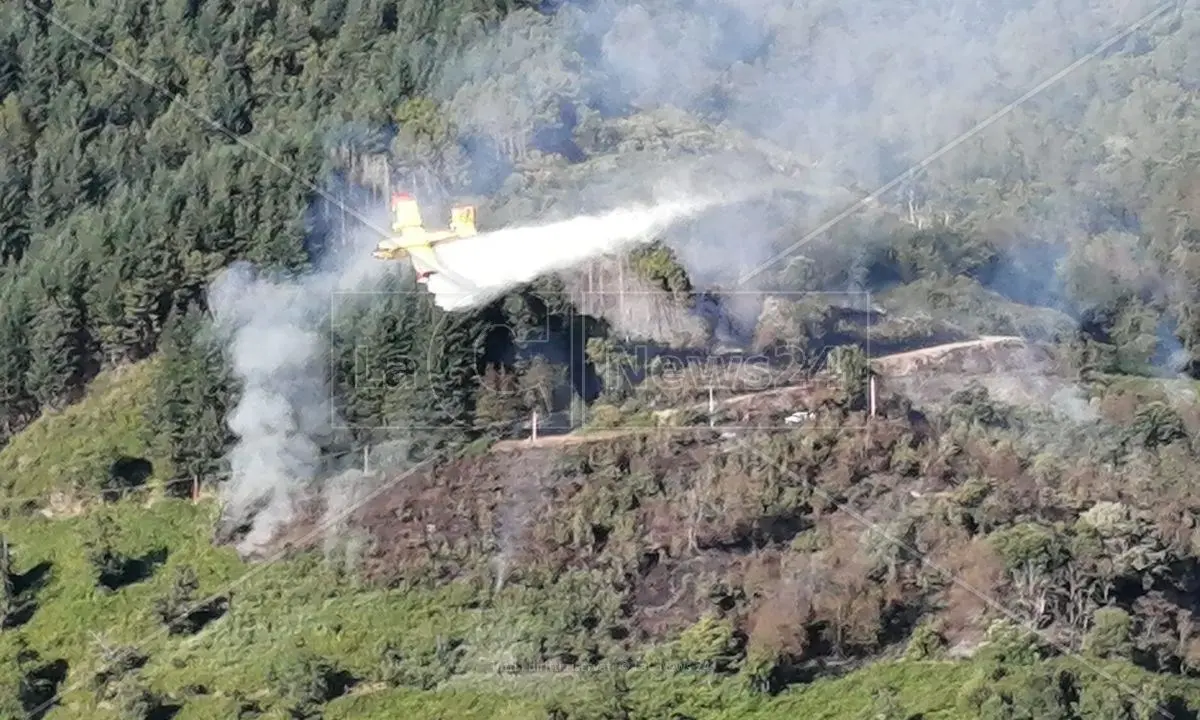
(934, 351)
(897, 364)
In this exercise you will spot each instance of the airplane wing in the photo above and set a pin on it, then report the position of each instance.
(410, 241)
(425, 261)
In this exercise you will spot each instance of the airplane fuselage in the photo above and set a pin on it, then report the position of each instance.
(410, 238)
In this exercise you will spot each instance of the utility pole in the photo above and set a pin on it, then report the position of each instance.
(621, 292)
(712, 407)
(533, 438)
(599, 310)
(367, 459)
(872, 395)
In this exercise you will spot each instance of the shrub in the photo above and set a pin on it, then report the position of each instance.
(137, 702)
(1110, 634)
(1027, 543)
(926, 643)
(1011, 644)
(306, 682)
(422, 670)
(605, 416)
(118, 665)
(710, 643)
(173, 608)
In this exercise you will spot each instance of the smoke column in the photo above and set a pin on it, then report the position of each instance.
(276, 338)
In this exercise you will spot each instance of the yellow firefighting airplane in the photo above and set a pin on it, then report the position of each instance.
(413, 240)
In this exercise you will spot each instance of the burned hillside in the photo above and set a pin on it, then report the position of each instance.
(834, 539)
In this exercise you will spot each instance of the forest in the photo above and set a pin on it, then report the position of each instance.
(144, 148)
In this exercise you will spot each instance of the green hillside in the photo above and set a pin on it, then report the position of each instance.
(322, 631)
(75, 449)
(187, 394)
(284, 615)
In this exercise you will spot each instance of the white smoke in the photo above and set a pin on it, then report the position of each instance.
(274, 331)
(498, 261)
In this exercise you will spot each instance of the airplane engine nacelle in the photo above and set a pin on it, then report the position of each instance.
(462, 220)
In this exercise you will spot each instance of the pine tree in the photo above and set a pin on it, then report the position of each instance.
(192, 390)
(106, 297)
(543, 385)
(15, 360)
(384, 360)
(15, 680)
(56, 348)
(10, 65)
(453, 346)
(230, 97)
(16, 154)
(169, 414)
(499, 403)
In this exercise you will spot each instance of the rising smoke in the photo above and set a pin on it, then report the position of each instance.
(277, 340)
(852, 92)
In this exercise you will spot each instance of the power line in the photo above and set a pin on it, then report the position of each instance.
(92, 493)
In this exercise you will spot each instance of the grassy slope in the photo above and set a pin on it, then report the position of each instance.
(75, 447)
(282, 608)
(930, 688)
(279, 608)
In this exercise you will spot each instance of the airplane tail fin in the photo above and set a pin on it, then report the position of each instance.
(406, 214)
(462, 220)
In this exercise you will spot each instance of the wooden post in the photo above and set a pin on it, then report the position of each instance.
(195, 489)
(872, 396)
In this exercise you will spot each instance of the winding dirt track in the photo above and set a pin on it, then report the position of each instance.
(934, 350)
(901, 363)
(892, 365)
